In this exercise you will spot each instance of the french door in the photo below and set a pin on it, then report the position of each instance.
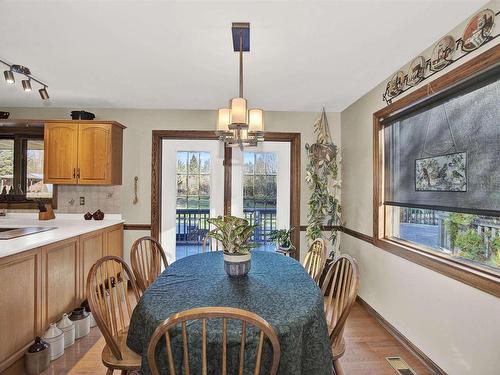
(200, 179)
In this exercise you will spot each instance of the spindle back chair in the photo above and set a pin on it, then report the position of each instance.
(146, 257)
(315, 259)
(112, 306)
(204, 314)
(340, 289)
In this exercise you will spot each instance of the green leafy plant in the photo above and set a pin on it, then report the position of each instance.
(233, 233)
(282, 238)
(454, 222)
(471, 245)
(322, 178)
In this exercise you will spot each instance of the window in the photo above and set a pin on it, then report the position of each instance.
(259, 194)
(21, 170)
(469, 238)
(437, 177)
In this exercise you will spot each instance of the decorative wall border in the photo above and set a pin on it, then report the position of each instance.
(400, 82)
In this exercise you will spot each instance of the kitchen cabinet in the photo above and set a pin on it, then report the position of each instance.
(83, 153)
(41, 284)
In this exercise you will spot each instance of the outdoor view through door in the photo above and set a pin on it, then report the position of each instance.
(260, 191)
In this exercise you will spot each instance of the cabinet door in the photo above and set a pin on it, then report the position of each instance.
(114, 241)
(61, 279)
(61, 155)
(20, 304)
(91, 249)
(94, 154)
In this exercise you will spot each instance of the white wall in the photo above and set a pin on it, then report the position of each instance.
(456, 325)
(137, 148)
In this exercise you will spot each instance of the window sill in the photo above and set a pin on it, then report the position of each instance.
(483, 279)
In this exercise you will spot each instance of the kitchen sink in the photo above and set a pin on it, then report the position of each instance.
(8, 233)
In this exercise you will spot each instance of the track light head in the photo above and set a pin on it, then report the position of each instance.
(43, 93)
(26, 85)
(9, 77)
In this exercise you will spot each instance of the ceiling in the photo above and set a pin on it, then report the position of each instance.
(178, 55)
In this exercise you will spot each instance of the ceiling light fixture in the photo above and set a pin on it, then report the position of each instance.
(236, 125)
(26, 83)
(9, 77)
(43, 93)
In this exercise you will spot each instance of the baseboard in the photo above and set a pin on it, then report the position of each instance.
(429, 363)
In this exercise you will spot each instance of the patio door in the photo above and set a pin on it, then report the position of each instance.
(260, 188)
(192, 188)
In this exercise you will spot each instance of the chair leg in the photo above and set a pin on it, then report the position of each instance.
(338, 367)
(109, 372)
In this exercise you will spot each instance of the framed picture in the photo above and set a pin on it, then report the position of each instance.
(478, 30)
(443, 53)
(442, 173)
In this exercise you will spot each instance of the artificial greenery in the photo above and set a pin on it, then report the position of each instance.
(282, 238)
(322, 178)
(233, 233)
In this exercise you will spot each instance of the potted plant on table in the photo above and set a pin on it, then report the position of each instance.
(283, 241)
(234, 234)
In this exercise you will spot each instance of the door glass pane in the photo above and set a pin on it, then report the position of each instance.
(6, 164)
(35, 188)
(259, 195)
(193, 201)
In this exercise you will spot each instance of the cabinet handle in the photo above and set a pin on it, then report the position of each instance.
(78, 172)
(74, 172)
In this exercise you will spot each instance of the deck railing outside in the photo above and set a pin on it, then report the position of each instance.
(192, 225)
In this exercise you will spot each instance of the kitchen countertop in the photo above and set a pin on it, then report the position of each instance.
(67, 226)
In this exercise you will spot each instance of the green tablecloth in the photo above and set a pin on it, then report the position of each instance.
(277, 288)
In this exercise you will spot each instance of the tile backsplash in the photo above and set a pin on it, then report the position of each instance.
(105, 198)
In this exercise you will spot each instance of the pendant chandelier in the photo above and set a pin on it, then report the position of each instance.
(238, 126)
(26, 82)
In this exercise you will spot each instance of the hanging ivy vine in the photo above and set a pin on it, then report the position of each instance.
(322, 178)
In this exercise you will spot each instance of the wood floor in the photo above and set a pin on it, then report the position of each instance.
(368, 343)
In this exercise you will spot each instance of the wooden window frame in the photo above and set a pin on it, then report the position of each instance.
(21, 135)
(475, 276)
(295, 143)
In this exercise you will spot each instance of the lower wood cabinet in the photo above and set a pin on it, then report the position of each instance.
(20, 304)
(60, 279)
(39, 285)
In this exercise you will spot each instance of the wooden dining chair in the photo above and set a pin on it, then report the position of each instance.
(210, 244)
(340, 288)
(146, 257)
(204, 314)
(315, 259)
(111, 306)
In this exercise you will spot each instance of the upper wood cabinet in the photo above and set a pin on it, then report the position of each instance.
(83, 152)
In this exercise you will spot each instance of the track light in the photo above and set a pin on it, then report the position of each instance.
(43, 93)
(26, 85)
(9, 77)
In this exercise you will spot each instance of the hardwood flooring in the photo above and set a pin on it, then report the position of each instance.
(368, 343)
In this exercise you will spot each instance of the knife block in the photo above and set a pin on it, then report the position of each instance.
(47, 215)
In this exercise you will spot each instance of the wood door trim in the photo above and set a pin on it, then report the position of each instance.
(476, 277)
(295, 168)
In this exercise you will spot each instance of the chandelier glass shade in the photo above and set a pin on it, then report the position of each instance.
(238, 125)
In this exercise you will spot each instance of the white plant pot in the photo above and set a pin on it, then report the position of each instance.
(237, 265)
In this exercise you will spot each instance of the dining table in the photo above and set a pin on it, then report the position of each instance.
(277, 288)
